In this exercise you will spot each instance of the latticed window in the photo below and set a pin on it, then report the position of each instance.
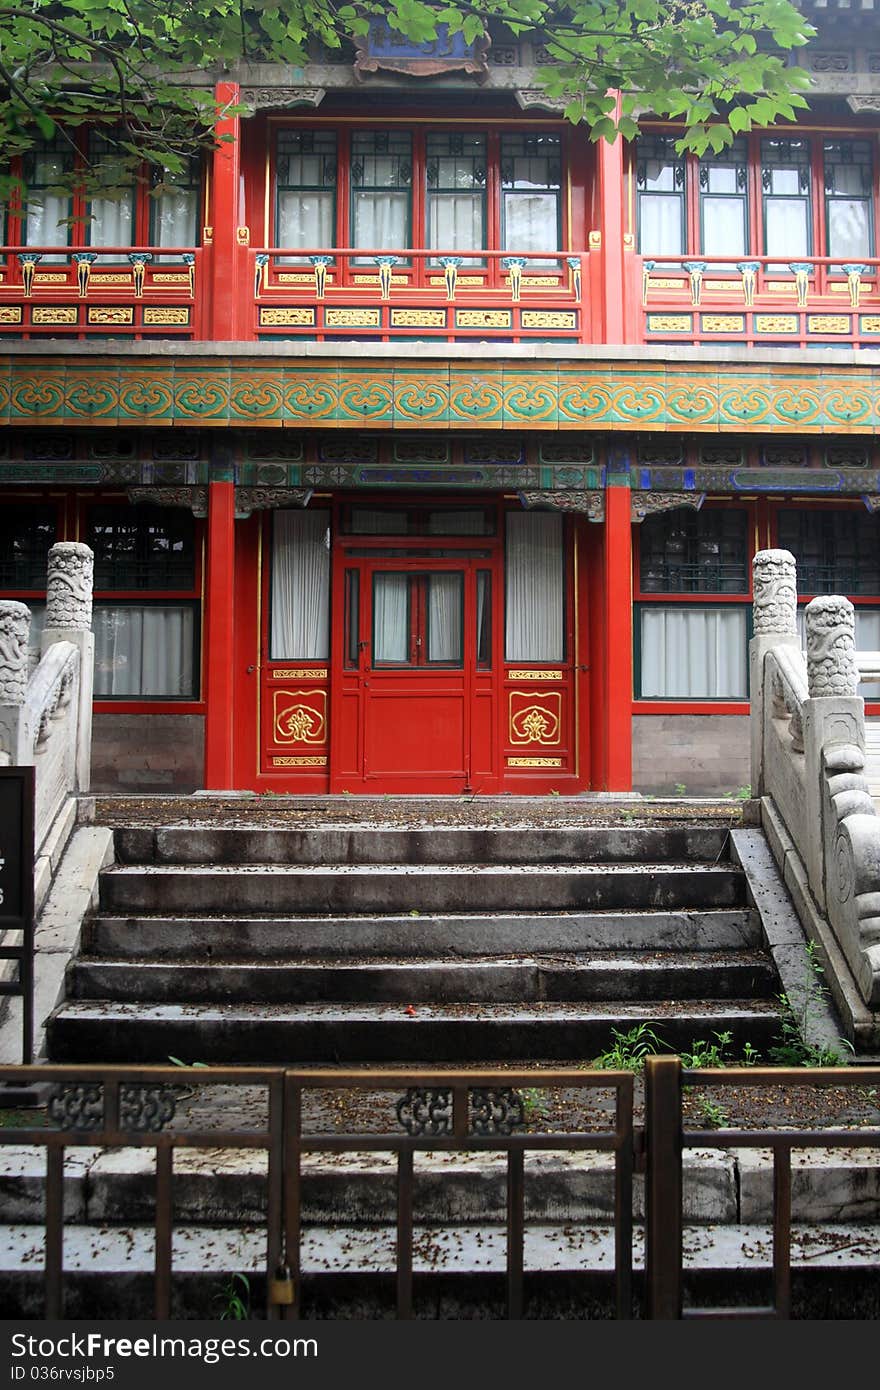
(26, 535)
(837, 552)
(381, 188)
(455, 175)
(849, 184)
(142, 547)
(724, 202)
(531, 192)
(785, 184)
(660, 186)
(305, 172)
(685, 552)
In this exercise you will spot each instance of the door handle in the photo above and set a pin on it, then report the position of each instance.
(251, 670)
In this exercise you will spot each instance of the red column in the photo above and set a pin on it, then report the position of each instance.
(219, 634)
(609, 170)
(617, 633)
(225, 212)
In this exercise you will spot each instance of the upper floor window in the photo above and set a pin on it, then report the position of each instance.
(49, 205)
(791, 197)
(430, 189)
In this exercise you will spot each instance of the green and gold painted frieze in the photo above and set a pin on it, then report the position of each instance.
(458, 395)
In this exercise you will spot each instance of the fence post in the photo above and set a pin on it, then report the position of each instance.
(663, 1187)
(69, 619)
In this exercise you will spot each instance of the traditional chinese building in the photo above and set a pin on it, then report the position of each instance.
(424, 445)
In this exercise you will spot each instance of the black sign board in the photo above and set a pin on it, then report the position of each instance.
(17, 891)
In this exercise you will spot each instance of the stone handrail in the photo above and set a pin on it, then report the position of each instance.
(808, 756)
(45, 717)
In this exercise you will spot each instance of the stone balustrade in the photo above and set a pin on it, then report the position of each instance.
(808, 769)
(46, 715)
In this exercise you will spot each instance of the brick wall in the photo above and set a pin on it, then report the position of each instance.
(708, 754)
(147, 752)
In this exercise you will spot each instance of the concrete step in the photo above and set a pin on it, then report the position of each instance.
(234, 937)
(720, 1187)
(583, 976)
(438, 845)
(345, 888)
(458, 1272)
(82, 1030)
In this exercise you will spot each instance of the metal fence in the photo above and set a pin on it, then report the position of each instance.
(288, 1115)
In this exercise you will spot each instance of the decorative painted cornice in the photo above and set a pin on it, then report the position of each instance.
(277, 98)
(644, 504)
(194, 499)
(391, 393)
(256, 499)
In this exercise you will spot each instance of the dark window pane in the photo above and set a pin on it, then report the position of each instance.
(685, 552)
(26, 534)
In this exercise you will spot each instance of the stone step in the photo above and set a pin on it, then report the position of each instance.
(221, 938)
(606, 976)
(437, 845)
(349, 1273)
(273, 889)
(81, 1030)
(230, 1186)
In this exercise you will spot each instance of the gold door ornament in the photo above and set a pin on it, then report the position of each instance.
(299, 716)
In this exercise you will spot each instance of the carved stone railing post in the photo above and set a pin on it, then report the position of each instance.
(774, 614)
(834, 714)
(15, 622)
(69, 619)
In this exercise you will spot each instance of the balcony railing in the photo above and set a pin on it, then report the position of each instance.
(352, 292)
(123, 291)
(758, 300)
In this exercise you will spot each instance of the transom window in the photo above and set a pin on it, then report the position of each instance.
(685, 552)
(26, 535)
(837, 552)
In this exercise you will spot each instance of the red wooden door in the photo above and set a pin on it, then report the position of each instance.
(414, 698)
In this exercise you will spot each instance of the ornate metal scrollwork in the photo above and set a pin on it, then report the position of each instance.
(147, 1109)
(424, 1110)
(77, 1107)
(496, 1112)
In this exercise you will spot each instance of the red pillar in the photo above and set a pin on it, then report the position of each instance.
(219, 635)
(609, 169)
(226, 213)
(617, 633)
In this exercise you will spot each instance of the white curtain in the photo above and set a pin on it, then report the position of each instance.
(455, 221)
(723, 227)
(380, 220)
(144, 652)
(484, 617)
(45, 213)
(694, 653)
(390, 617)
(445, 617)
(177, 219)
(849, 228)
(300, 621)
(112, 223)
(786, 221)
(534, 587)
(530, 223)
(306, 220)
(660, 231)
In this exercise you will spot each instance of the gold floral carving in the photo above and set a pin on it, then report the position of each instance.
(310, 673)
(418, 318)
(374, 279)
(548, 318)
(542, 280)
(110, 313)
(299, 277)
(670, 323)
(300, 762)
(829, 323)
(352, 318)
(50, 277)
(538, 721)
(870, 323)
(121, 279)
(780, 287)
(459, 280)
(297, 722)
(722, 286)
(10, 313)
(169, 277)
(516, 675)
(42, 313)
(534, 762)
(161, 313)
(723, 323)
(776, 323)
(660, 282)
(483, 318)
(286, 318)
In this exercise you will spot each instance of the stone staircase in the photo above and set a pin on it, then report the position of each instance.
(368, 944)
